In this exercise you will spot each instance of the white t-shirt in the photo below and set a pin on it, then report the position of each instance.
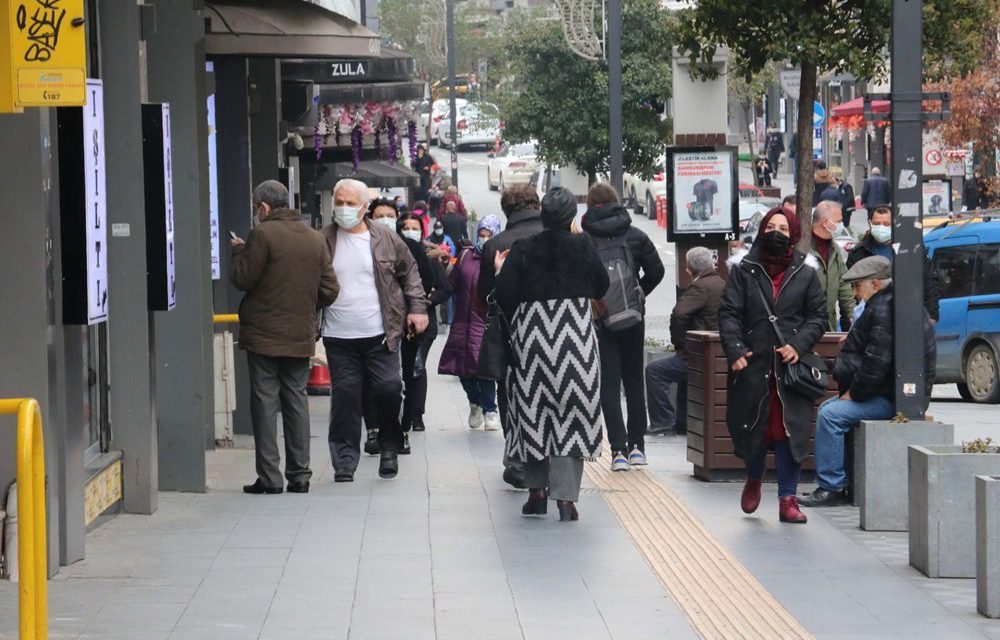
(356, 313)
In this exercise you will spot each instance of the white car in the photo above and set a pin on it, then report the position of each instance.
(513, 164)
(642, 194)
(439, 110)
(478, 125)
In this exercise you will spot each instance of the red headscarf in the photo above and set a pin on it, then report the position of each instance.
(776, 265)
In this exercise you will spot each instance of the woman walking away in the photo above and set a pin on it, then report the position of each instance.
(461, 353)
(762, 412)
(424, 166)
(544, 285)
(415, 348)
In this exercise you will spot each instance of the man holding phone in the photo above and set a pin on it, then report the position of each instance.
(284, 267)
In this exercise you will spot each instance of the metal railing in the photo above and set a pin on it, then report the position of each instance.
(226, 318)
(33, 617)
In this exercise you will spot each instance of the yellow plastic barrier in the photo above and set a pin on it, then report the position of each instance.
(226, 318)
(32, 590)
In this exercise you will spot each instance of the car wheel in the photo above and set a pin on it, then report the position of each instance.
(981, 375)
(963, 390)
(650, 207)
(636, 206)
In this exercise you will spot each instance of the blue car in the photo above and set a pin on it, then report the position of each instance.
(966, 256)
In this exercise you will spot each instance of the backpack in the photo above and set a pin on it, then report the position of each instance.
(624, 305)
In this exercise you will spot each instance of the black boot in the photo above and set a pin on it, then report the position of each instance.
(371, 444)
(388, 466)
(537, 504)
(405, 449)
(823, 498)
(418, 424)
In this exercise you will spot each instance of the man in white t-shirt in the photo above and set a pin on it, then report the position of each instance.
(381, 299)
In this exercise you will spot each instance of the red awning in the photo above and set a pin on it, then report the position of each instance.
(856, 107)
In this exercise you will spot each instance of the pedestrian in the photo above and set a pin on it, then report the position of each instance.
(845, 196)
(865, 376)
(822, 180)
(520, 205)
(827, 222)
(544, 285)
(461, 352)
(278, 330)
(775, 281)
(763, 170)
(774, 143)
(878, 242)
(696, 310)
(423, 165)
(439, 238)
(456, 225)
(381, 300)
(976, 192)
(451, 195)
(793, 154)
(789, 202)
(876, 190)
(631, 257)
(420, 208)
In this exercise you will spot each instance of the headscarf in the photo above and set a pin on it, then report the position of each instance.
(558, 209)
(492, 224)
(776, 265)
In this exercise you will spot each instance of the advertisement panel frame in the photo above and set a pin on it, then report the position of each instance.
(676, 201)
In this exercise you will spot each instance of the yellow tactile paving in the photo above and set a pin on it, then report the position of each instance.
(721, 599)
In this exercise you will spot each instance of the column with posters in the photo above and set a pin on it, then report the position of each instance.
(702, 193)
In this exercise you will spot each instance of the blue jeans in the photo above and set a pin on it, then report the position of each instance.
(785, 464)
(835, 418)
(481, 392)
(659, 376)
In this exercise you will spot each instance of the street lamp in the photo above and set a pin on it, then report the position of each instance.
(453, 123)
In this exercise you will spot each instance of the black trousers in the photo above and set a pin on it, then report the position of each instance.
(353, 362)
(414, 353)
(622, 363)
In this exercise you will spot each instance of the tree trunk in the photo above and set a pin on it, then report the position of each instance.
(805, 185)
(745, 108)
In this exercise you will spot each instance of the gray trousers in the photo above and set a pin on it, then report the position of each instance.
(280, 383)
(561, 474)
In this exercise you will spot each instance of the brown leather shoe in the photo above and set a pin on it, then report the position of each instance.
(788, 510)
(537, 504)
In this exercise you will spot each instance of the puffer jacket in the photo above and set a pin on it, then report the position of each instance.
(461, 352)
(613, 221)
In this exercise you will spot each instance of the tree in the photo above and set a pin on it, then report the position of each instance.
(561, 99)
(843, 36)
(748, 92)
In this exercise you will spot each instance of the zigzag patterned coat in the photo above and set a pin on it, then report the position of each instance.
(545, 288)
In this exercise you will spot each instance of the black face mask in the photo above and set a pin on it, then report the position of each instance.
(776, 243)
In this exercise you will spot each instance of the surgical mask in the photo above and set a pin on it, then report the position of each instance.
(838, 229)
(412, 234)
(346, 217)
(480, 243)
(387, 222)
(776, 243)
(882, 233)
(438, 230)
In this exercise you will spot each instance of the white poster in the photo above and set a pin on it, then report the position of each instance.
(95, 200)
(213, 187)
(936, 197)
(702, 192)
(168, 191)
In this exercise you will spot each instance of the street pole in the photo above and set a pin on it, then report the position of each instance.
(907, 157)
(453, 120)
(614, 55)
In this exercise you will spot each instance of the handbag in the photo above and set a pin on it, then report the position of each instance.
(496, 354)
(810, 376)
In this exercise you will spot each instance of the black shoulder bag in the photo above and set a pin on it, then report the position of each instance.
(809, 377)
(496, 353)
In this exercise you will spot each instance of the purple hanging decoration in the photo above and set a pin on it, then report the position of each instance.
(318, 142)
(390, 126)
(411, 133)
(378, 140)
(327, 123)
(336, 132)
(356, 138)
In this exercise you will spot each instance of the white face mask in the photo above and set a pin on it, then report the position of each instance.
(346, 217)
(882, 233)
(412, 234)
(387, 222)
(481, 242)
(838, 229)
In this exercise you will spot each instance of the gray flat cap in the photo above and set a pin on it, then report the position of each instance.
(874, 267)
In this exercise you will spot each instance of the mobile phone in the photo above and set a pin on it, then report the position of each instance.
(232, 234)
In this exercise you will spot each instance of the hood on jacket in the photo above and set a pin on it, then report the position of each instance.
(823, 175)
(607, 220)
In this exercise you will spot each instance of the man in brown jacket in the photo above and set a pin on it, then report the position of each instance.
(381, 300)
(284, 268)
(696, 310)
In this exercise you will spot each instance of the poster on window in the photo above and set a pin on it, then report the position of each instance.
(702, 192)
(937, 197)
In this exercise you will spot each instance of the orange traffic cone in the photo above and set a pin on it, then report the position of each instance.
(319, 381)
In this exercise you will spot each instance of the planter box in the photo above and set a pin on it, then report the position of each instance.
(652, 354)
(942, 495)
(880, 449)
(988, 545)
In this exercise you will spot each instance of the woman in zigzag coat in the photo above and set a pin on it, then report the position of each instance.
(544, 285)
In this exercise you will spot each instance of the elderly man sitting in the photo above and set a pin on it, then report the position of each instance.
(865, 375)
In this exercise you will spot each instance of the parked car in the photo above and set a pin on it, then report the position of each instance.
(440, 88)
(513, 164)
(439, 109)
(478, 125)
(642, 194)
(966, 256)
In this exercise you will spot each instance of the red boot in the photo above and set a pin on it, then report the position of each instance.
(750, 499)
(788, 510)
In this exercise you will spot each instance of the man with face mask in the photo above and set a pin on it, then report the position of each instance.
(827, 222)
(865, 376)
(381, 300)
(278, 330)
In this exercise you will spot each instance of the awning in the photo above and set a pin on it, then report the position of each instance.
(371, 172)
(856, 107)
(284, 29)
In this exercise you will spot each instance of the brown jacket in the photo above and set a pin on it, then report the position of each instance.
(400, 291)
(287, 274)
(697, 309)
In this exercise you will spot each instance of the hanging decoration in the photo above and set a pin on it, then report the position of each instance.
(356, 138)
(390, 128)
(368, 119)
(411, 134)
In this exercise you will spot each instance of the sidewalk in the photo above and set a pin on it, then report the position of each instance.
(443, 553)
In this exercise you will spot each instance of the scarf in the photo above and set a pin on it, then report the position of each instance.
(776, 265)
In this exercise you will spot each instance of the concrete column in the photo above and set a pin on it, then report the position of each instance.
(132, 410)
(176, 64)
(265, 114)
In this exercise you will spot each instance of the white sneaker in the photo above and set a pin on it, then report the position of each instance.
(476, 418)
(492, 420)
(619, 462)
(637, 458)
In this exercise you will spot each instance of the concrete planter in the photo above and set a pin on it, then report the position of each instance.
(988, 545)
(880, 486)
(942, 498)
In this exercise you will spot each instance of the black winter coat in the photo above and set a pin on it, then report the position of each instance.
(932, 289)
(520, 225)
(866, 364)
(744, 327)
(875, 191)
(613, 221)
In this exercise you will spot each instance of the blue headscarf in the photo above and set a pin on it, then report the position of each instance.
(491, 223)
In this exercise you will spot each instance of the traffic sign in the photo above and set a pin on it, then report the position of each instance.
(819, 114)
(933, 157)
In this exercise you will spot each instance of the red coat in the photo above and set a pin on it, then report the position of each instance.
(461, 352)
(457, 199)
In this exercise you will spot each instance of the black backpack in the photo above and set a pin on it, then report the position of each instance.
(624, 305)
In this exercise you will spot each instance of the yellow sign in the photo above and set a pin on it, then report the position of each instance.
(43, 54)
